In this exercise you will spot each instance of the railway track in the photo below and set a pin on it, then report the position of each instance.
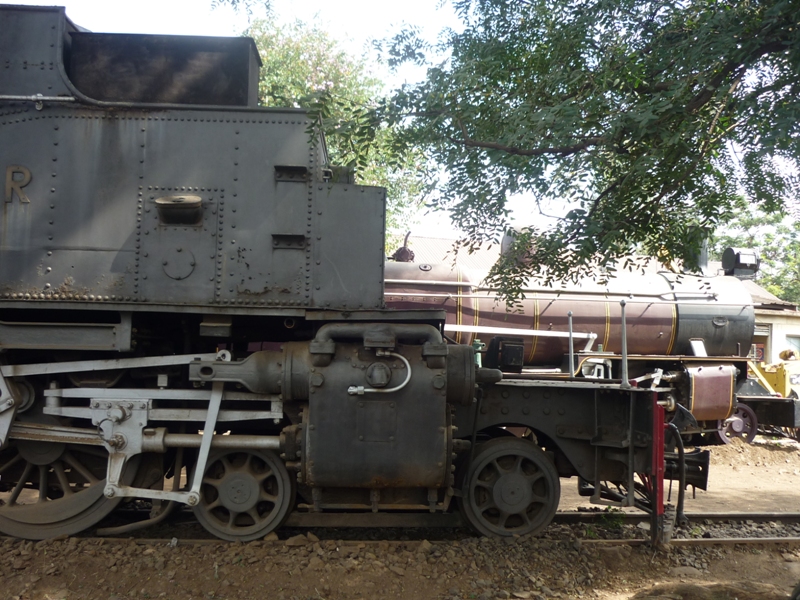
(609, 527)
(425, 561)
(405, 544)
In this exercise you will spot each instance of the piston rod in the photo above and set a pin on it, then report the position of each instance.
(239, 442)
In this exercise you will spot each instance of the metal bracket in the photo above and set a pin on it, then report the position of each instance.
(126, 417)
(8, 410)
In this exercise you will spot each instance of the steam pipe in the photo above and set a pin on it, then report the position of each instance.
(332, 331)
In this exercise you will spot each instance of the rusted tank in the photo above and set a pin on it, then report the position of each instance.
(664, 312)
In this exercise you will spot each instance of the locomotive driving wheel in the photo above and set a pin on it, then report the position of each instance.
(244, 495)
(50, 489)
(511, 488)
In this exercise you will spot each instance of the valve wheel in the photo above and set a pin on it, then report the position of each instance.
(512, 488)
(244, 495)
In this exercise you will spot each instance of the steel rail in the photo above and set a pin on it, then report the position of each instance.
(413, 543)
(594, 516)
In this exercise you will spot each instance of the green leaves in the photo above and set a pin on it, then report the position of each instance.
(646, 118)
(303, 66)
(776, 237)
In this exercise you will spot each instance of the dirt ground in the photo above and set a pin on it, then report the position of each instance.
(566, 563)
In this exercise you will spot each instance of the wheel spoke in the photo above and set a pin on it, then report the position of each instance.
(216, 503)
(248, 464)
(502, 519)
(12, 499)
(10, 463)
(261, 477)
(537, 499)
(498, 468)
(267, 497)
(486, 502)
(484, 484)
(231, 518)
(84, 472)
(493, 470)
(534, 477)
(257, 518)
(43, 482)
(58, 469)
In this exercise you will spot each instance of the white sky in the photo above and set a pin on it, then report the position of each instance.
(354, 22)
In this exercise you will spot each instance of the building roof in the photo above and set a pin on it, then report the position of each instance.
(766, 299)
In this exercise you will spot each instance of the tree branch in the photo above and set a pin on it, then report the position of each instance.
(468, 142)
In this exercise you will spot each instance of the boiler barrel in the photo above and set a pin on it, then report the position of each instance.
(664, 311)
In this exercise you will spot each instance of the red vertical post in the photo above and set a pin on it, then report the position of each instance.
(657, 470)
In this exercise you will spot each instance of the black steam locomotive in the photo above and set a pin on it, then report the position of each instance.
(192, 312)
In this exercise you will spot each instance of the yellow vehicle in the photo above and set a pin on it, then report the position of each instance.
(771, 395)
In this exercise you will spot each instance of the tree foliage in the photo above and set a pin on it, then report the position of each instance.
(248, 6)
(303, 66)
(776, 237)
(647, 118)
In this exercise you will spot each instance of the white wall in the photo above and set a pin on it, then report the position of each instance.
(782, 324)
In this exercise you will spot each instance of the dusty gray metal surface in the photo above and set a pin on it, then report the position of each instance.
(92, 195)
(67, 336)
(165, 68)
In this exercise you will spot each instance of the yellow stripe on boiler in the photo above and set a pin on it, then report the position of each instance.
(674, 328)
(535, 326)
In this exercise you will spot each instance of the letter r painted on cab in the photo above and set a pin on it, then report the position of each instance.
(17, 177)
